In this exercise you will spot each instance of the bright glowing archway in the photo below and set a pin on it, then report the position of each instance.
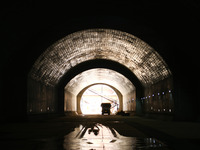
(81, 82)
(95, 95)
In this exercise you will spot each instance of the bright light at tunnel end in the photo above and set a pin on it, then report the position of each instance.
(94, 96)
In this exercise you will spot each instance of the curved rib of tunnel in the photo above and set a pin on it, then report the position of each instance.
(96, 56)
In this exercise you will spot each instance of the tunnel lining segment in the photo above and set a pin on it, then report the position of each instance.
(99, 75)
(147, 65)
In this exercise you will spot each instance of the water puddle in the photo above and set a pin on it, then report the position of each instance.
(96, 136)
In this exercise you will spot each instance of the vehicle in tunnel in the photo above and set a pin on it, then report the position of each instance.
(106, 108)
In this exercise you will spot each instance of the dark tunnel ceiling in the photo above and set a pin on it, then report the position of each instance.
(135, 54)
(102, 76)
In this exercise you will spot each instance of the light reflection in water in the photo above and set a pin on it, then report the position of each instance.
(95, 136)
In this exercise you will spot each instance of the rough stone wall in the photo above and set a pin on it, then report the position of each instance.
(41, 98)
(158, 98)
(129, 101)
(70, 102)
(76, 48)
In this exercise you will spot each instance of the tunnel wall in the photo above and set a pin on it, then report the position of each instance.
(69, 102)
(130, 102)
(41, 98)
(158, 98)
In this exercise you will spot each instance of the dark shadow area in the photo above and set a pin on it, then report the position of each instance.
(115, 132)
(63, 133)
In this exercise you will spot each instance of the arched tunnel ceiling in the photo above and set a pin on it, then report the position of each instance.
(99, 75)
(138, 56)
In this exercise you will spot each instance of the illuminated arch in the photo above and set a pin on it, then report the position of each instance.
(119, 83)
(138, 56)
(80, 94)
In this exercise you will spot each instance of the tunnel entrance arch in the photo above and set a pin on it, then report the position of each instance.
(119, 98)
(59, 63)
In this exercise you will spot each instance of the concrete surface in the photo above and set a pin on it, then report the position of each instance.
(98, 132)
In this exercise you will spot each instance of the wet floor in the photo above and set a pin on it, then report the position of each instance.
(96, 136)
(78, 134)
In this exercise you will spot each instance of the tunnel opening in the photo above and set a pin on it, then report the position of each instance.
(100, 49)
(94, 96)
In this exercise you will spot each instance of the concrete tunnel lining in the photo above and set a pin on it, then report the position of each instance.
(45, 79)
(132, 52)
(98, 76)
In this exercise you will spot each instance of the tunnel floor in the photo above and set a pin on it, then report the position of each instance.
(98, 132)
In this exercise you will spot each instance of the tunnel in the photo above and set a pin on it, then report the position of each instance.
(100, 56)
(60, 60)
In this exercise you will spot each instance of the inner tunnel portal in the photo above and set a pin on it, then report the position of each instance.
(95, 95)
(116, 82)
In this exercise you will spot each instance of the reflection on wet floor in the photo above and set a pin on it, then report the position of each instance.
(96, 136)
